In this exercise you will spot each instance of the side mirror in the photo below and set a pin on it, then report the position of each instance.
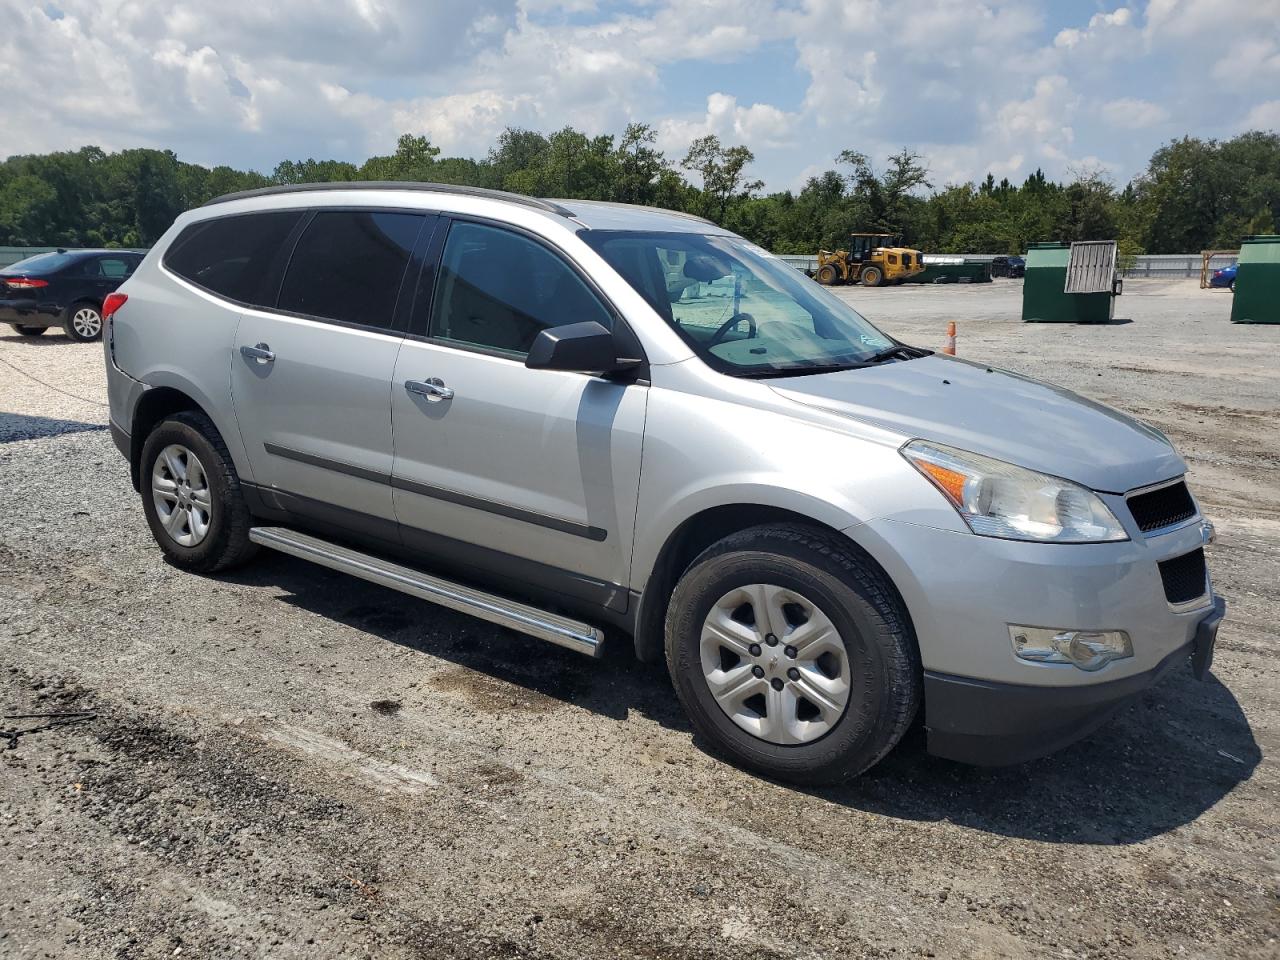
(579, 347)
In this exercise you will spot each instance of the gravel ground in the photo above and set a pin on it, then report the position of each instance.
(286, 762)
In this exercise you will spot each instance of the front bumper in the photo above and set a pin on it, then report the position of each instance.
(995, 724)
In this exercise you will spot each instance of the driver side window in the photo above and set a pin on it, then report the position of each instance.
(497, 290)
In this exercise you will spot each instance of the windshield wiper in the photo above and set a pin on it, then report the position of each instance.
(800, 371)
(899, 351)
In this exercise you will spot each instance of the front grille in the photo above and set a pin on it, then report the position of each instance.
(1163, 507)
(1184, 577)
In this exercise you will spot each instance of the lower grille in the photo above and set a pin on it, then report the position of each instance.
(1184, 577)
(1163, 507)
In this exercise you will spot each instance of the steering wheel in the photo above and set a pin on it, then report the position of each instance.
(729, 324)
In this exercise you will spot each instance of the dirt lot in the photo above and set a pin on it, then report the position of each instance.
(286, 762)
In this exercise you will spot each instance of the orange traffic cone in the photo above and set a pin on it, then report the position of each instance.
(950, 348)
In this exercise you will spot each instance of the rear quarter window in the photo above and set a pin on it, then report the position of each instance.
(349, 264)
(233, 256)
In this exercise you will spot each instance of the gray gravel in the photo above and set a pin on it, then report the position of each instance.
(285, 762)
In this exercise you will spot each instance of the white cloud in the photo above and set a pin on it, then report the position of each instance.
(1199, 20)
(990, 85)
(1254, 58)
(759, 125)
(1264, 116)
(1130, 113)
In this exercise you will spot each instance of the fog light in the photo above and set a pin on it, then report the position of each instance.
(1086, 649)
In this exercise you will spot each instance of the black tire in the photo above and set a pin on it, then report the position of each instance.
(884, 661)
(1233, 286)
(28, 331)
(227, 542)
(75, 330)
(827, 275)
(872, 277)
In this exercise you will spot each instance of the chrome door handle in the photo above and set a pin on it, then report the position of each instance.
(260, 353)
(432, 388)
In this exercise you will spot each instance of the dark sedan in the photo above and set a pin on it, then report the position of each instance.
(1008, 267)
(63, 289)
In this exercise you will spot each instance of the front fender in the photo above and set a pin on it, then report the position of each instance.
(701, 453)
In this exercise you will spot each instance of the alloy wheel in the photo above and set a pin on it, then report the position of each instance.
(87, 322)
(181, 495)
(775, 664)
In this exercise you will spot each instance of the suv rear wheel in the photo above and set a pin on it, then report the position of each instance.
(792, 654)
(191, 495)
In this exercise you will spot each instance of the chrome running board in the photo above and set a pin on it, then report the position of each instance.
(520, 617)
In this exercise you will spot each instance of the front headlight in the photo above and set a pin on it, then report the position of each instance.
(997, 499)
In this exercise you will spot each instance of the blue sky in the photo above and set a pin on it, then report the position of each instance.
(976, 87)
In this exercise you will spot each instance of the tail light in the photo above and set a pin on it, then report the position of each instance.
(24, 283)
(113, 303)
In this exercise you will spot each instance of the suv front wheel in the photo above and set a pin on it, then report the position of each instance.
(792, 654)
(191, 495)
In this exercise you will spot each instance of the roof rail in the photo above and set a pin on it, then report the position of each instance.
(452, 188)
(614, 203)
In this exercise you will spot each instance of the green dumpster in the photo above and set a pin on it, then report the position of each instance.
(953, 270)
(1257, 297)
(1074, 283)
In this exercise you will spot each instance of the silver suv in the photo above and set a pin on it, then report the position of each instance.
(581, 420)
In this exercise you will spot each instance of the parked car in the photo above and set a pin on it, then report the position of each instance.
(1226, 277)
(1008, 267)
(509, 407)
(65, 289)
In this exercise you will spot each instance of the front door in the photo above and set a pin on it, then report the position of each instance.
(530, 474)
(311, 379)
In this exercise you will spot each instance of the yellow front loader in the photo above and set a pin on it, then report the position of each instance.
(872, 259)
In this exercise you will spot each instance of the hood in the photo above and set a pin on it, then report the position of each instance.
(999, 414)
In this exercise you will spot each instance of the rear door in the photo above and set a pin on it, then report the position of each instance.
(311, 377)
(529, 474)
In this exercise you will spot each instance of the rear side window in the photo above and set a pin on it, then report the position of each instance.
(498, 290)
(117, 269)
(232, 256)
(348, 266)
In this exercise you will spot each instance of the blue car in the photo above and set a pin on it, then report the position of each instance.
(1226, 277)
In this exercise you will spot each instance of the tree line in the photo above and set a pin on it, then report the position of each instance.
(1194, 194)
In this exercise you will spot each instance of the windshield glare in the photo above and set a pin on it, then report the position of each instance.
(40, 263)
(744, 311)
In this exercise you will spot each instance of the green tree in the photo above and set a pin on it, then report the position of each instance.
(723, 172)
(414, 159)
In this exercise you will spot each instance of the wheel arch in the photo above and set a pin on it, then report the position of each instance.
(154, 406)
(81, 301)
(701, 530)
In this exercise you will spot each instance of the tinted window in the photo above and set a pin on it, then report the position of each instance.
(113, 267)
(348, 266)
(231, 256)
(499, 290)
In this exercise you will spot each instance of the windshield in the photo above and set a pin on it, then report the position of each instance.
(40, 263)
(744, 311)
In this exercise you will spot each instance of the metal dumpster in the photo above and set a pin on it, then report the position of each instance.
(1070, 284)
(944, 269)
(1257, 297)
